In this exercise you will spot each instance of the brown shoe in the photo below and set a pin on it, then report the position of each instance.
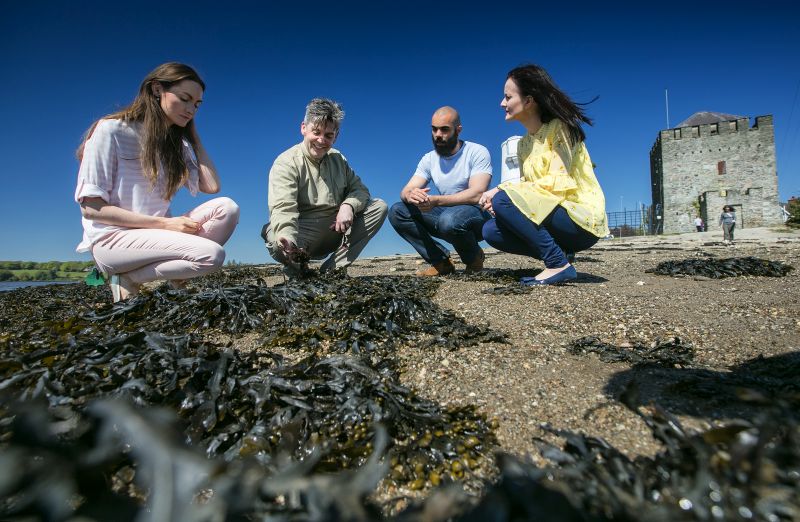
(477, 264)
(439, 269)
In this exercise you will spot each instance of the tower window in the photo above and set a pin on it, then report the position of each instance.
(714, 129)
(721, 168)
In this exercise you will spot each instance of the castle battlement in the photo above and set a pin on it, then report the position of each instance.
(719, 128)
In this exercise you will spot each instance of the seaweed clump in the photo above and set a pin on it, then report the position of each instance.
(669, 352)
(328, 311)
(721, 268)
(324, 413)
(233, 405)
(739, 471)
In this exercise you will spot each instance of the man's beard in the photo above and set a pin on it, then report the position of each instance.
(446, 147)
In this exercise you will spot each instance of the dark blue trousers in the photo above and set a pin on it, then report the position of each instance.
(459, 225)
(511, 231)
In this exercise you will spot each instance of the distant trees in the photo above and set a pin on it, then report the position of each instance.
(45, 271)
(58, 266)
(793, 207)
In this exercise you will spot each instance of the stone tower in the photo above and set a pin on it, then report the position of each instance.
(711, 160)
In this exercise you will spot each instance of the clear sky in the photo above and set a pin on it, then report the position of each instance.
(65, 64)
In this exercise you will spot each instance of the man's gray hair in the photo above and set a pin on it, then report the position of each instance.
(321, 111)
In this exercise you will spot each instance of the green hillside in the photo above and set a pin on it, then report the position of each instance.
(46, 271)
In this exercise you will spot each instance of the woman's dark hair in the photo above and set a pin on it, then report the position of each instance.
(534, 81)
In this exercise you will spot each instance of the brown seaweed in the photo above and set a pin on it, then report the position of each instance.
(233, 405)
(116, 412)
(721, 268)
(663, 352)
(737, 471)
(346, 313)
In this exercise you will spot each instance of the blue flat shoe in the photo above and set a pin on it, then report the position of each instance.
(568, 274)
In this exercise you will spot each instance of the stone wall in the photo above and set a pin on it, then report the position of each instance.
(699, 169)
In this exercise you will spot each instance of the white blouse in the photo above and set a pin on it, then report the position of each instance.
(111, 169)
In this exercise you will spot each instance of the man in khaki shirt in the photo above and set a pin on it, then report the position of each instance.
(316, 201)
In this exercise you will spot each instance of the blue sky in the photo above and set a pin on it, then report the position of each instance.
(390, 64)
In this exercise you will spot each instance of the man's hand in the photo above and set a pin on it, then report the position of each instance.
(286, 245)
(344, 219)
(181, 224)
(295, 258)
(418, 196)
(486, 200)
(429, 204)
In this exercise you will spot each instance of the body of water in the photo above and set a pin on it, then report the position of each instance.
(5, 286)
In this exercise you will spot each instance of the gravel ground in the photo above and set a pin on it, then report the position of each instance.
(533, 379)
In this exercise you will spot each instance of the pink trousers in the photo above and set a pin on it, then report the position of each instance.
(147, 254)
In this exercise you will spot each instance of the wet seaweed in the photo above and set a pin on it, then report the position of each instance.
(722, 268)
(57, 474)
(362, 313)
(238, 275)
(731, 472)
(56, 466)
(669, 352)
(229, 309)
(101, 419)
(330, 311)
(234, 405)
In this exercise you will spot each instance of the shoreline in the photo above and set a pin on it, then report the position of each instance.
(8, 286)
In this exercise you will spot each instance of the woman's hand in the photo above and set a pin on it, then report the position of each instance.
(96, 209)
(485, 200)
(208, 178)
(181, 224)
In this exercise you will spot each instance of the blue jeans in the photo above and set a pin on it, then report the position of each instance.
(511, 231)
(459, 225)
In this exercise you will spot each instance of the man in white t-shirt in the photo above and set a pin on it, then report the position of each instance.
(460, 171)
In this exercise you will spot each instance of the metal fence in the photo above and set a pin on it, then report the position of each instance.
(631, 222)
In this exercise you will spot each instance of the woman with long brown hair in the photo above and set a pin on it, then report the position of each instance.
(558, 207)
(132, 163)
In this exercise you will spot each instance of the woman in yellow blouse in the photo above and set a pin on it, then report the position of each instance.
(557, 208)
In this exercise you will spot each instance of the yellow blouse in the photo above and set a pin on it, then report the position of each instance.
(556, 173)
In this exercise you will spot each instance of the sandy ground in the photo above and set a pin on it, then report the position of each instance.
(534, 380)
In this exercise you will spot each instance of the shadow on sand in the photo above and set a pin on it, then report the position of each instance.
(740, 392)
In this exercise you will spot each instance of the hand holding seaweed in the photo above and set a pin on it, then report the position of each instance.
(296, 257)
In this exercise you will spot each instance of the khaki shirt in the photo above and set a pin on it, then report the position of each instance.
(302, 188)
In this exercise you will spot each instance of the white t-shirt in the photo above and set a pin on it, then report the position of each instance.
(111, 169)
(450, 175)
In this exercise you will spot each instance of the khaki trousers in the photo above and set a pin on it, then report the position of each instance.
(316, 236)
